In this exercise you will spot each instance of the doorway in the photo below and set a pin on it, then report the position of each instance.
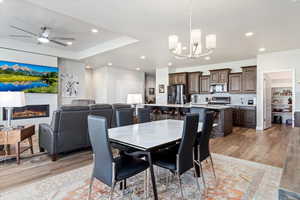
(278, 98)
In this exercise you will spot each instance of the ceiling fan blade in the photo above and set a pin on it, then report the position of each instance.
(20, 36)
(59, 43)
(20, 29)
(63, 38)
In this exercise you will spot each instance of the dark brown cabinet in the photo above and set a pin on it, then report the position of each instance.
(219, 76)
(235, 83)
(244, 116)
(204, 84)
(249, 79)
(178, 78)
(194, 82)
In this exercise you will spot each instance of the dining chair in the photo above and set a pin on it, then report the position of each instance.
(124, 116)
(180, 160)
(107, 169)
(202, 144)
(144, 115)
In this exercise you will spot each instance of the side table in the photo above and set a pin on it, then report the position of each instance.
(15, 137)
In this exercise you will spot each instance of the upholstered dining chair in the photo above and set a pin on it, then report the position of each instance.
(180, 160)
(107, 169)
(124, 116)
(144, 115)
(202, 144)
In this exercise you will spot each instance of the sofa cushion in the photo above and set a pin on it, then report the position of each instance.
(100, 106)
(74, 108)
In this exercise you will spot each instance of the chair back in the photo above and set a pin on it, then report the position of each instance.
(144, 115)
(185, 152)
(104, 110)
(116, 107)
(124, 117)
(103, 159)
(204, 136)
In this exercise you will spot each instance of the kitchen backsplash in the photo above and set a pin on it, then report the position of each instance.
(235, 98)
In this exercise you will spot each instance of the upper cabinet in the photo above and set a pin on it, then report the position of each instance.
(235, 83)
(219, 76)
(178, 78)
(194, 82)
(204, 84)
(249, 79)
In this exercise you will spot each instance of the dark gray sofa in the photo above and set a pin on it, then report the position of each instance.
(68, 130)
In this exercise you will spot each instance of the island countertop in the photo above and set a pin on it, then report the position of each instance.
(208, 106)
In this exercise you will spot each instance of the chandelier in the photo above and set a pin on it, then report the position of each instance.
(195, 47)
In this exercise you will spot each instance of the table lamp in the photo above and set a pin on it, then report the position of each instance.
(9, 100)
(134, 99)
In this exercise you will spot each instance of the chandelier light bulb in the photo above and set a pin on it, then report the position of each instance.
(178, 48)
(196, 36)
(173, 40)
(211, 41)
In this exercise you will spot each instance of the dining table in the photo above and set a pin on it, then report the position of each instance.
(149, 137)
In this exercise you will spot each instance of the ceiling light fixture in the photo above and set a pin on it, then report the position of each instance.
(195, 44)
(143, 57)
(43, 40)
(207, 58)
(138, 69)
(69, 43)
(94, 30)
(170, 64)
(88, 67)
(1, 1)
(184, 48)
(249, 34)
(109, 64)
(262, 49)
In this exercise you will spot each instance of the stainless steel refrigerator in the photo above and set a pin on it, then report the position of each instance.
(176, 94)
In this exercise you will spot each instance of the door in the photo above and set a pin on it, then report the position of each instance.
(249, 79)
(267, 102)
(235, 83)
(223, 76)
(193, 83)
(204, 84)
(214, 76)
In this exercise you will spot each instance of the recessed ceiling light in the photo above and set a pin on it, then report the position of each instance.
(184, 48)
(43, 40)
(207, 58)
(88, 67)
(69, 43)
(138, 69)
(109, 64)
(170, 64)
(94, 30)
(262, 49)
(143, 57)
(249, 34)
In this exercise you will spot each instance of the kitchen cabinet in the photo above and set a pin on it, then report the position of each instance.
(204, 84)
(178, 78)
(219, 76)
(235, 83)
(194, 82)
(244, 116)
(249, 79)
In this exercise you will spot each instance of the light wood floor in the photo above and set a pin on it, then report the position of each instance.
(268, 147)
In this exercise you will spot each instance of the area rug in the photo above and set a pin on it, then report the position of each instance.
(236, 180)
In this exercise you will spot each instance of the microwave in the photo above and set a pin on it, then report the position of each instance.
(219, 88)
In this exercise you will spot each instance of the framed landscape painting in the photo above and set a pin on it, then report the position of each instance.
(28, 78)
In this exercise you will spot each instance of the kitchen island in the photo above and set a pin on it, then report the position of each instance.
(223, 117)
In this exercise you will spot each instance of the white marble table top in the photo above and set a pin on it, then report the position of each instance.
(149, 135)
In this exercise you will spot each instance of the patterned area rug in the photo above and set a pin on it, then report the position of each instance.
(236, 180)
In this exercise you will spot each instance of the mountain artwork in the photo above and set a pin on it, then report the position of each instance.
(28, 78)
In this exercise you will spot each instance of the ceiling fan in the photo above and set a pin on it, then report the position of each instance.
(43, 37)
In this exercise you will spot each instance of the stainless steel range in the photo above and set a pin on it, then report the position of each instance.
(219, 100)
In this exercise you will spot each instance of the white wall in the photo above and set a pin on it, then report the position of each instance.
(235, 66)
(78, 69)
(273, 62)
(112, 85)
(162, 78)
(36, 59)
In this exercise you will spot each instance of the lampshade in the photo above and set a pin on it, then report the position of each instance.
(196, 36)
(173, 40)
(12, 99)
(211, 41)
(134, 98)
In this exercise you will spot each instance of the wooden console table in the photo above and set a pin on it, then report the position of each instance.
(15, 137)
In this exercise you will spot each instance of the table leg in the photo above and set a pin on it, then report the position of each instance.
(30, 143)
(152, 176)
(18, 152)
(197, 168)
